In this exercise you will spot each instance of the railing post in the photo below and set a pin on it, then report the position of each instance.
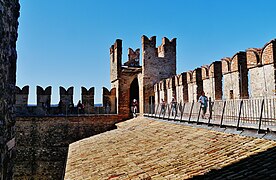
(165, 111)
(197, 121)
(261, 116)
(239, 118)
(221, 120)
(170, 110)
(182, 110)
(160, 112)
(176, 108)
(156, 110)
(210, 111)
(191, 111)
(210, 108)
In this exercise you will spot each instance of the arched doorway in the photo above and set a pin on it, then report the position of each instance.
(134, 92)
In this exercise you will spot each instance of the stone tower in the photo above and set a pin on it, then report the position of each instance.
(124, 78)
(158, 63)
(115, 65)
(133, 81)
(9, 13)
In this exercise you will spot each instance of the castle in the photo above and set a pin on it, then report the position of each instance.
(41, 139)
(249, 74)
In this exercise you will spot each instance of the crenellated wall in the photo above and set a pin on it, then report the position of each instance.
(235, 80)
(133, 58)
(249, 74)
(9, 14)
(44, 106)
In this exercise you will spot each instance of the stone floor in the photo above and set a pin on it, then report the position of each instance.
(143, 148)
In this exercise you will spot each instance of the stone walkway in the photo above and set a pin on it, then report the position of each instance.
(142, 148)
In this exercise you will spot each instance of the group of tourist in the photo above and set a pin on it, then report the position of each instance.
(203, 100)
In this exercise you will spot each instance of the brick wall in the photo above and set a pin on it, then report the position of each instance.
(158, 63)
(252, 72)
(42, 142)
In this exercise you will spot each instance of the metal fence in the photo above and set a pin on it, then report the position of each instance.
(242, 113)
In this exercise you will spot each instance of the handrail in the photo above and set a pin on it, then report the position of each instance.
(240, 113)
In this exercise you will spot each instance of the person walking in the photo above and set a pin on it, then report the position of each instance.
(204, 103)
(173, 106)
(134, 107)
(163, 104)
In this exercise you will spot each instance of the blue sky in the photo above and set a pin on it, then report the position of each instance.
(66, 42)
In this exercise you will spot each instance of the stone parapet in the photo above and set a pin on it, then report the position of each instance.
(42, 142)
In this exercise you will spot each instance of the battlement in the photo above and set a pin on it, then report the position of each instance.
(253, 56)
(205, 72)
(41, 91)
(167, 47)
(268, 54)
(109, 100)
(24, 90)
(181, 79)
(90, 91)
(148, 43)
(238, 61)
(230, 75)
(215, 69)
(226, 66)
(133, 58)
(117, 46)
(66, 105)
(21, 98)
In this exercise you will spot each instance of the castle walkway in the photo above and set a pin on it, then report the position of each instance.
(144, 148)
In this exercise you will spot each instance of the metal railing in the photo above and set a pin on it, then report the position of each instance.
(242, 113)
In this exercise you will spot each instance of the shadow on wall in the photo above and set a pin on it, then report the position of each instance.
(258, 166)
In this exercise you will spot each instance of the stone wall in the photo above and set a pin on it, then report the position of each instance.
(249, 74)
(42, 142)
(9, 13)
